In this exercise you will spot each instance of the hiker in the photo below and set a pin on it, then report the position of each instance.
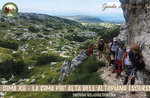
(73, 53)
(100, 47)
(89, 51)
(112, 49)
(118, 60)
(130, 60)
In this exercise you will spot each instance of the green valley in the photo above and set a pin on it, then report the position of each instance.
(33, 48)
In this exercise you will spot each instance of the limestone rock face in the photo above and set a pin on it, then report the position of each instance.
(123, 32)
(136, 28)
(69, 67)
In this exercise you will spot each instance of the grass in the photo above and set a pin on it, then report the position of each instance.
(47, 58)
(85, 74)
(50, 74)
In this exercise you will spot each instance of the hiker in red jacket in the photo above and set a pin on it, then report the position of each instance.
(90, 50)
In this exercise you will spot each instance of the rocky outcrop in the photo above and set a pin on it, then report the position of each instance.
(69, 67)
(136, 28)
(87, 34)
(123, 36)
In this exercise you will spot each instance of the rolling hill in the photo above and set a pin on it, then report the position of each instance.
(84, 18)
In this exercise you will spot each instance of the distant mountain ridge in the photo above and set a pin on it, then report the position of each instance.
(113, 18)
(84, 18)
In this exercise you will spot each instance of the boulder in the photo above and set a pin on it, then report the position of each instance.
(53, 63)
(69, 67)
(4, 82)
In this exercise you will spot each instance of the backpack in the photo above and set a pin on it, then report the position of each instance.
(112, 43)
(141, 66)
(89, 51)
(135, 61)
(123, 50)
(117, 53)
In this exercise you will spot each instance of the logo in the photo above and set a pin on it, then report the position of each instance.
(10, 10)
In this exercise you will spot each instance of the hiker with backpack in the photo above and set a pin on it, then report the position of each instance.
(118, 59)
(112, 49)
(100, 47)
(132, 61)
(89, 51)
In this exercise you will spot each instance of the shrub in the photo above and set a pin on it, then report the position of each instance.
(69, 37)
(33, 29)
(39, 35)
(48, 25)
(91, 65)
(85, 46)
(46, 58)
(47, 38)
(18, 54)
(10, 45)
(46, 33)
(75, 38)
(70, 30)
(9, 67)
(2, 19)
(12, 24)
(24, 39)
(108, 35)
(19, 34)
(79, 38)
(35, 18)
(4, 26)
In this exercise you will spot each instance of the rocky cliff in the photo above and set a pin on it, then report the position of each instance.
(136, 28)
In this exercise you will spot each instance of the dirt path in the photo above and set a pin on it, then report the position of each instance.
(62, 54)
(107, 75)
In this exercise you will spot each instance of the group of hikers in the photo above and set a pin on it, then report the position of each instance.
(121, 58)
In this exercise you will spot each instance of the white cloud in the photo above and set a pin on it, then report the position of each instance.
(97, 9)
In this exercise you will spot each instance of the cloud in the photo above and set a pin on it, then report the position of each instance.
(93, 10)
(57, 10)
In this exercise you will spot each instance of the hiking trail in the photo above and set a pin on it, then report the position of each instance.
(110, 78)
(63, 54)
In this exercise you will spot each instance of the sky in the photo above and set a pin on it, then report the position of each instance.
(66, 7)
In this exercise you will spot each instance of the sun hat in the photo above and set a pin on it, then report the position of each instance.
(115, 39)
